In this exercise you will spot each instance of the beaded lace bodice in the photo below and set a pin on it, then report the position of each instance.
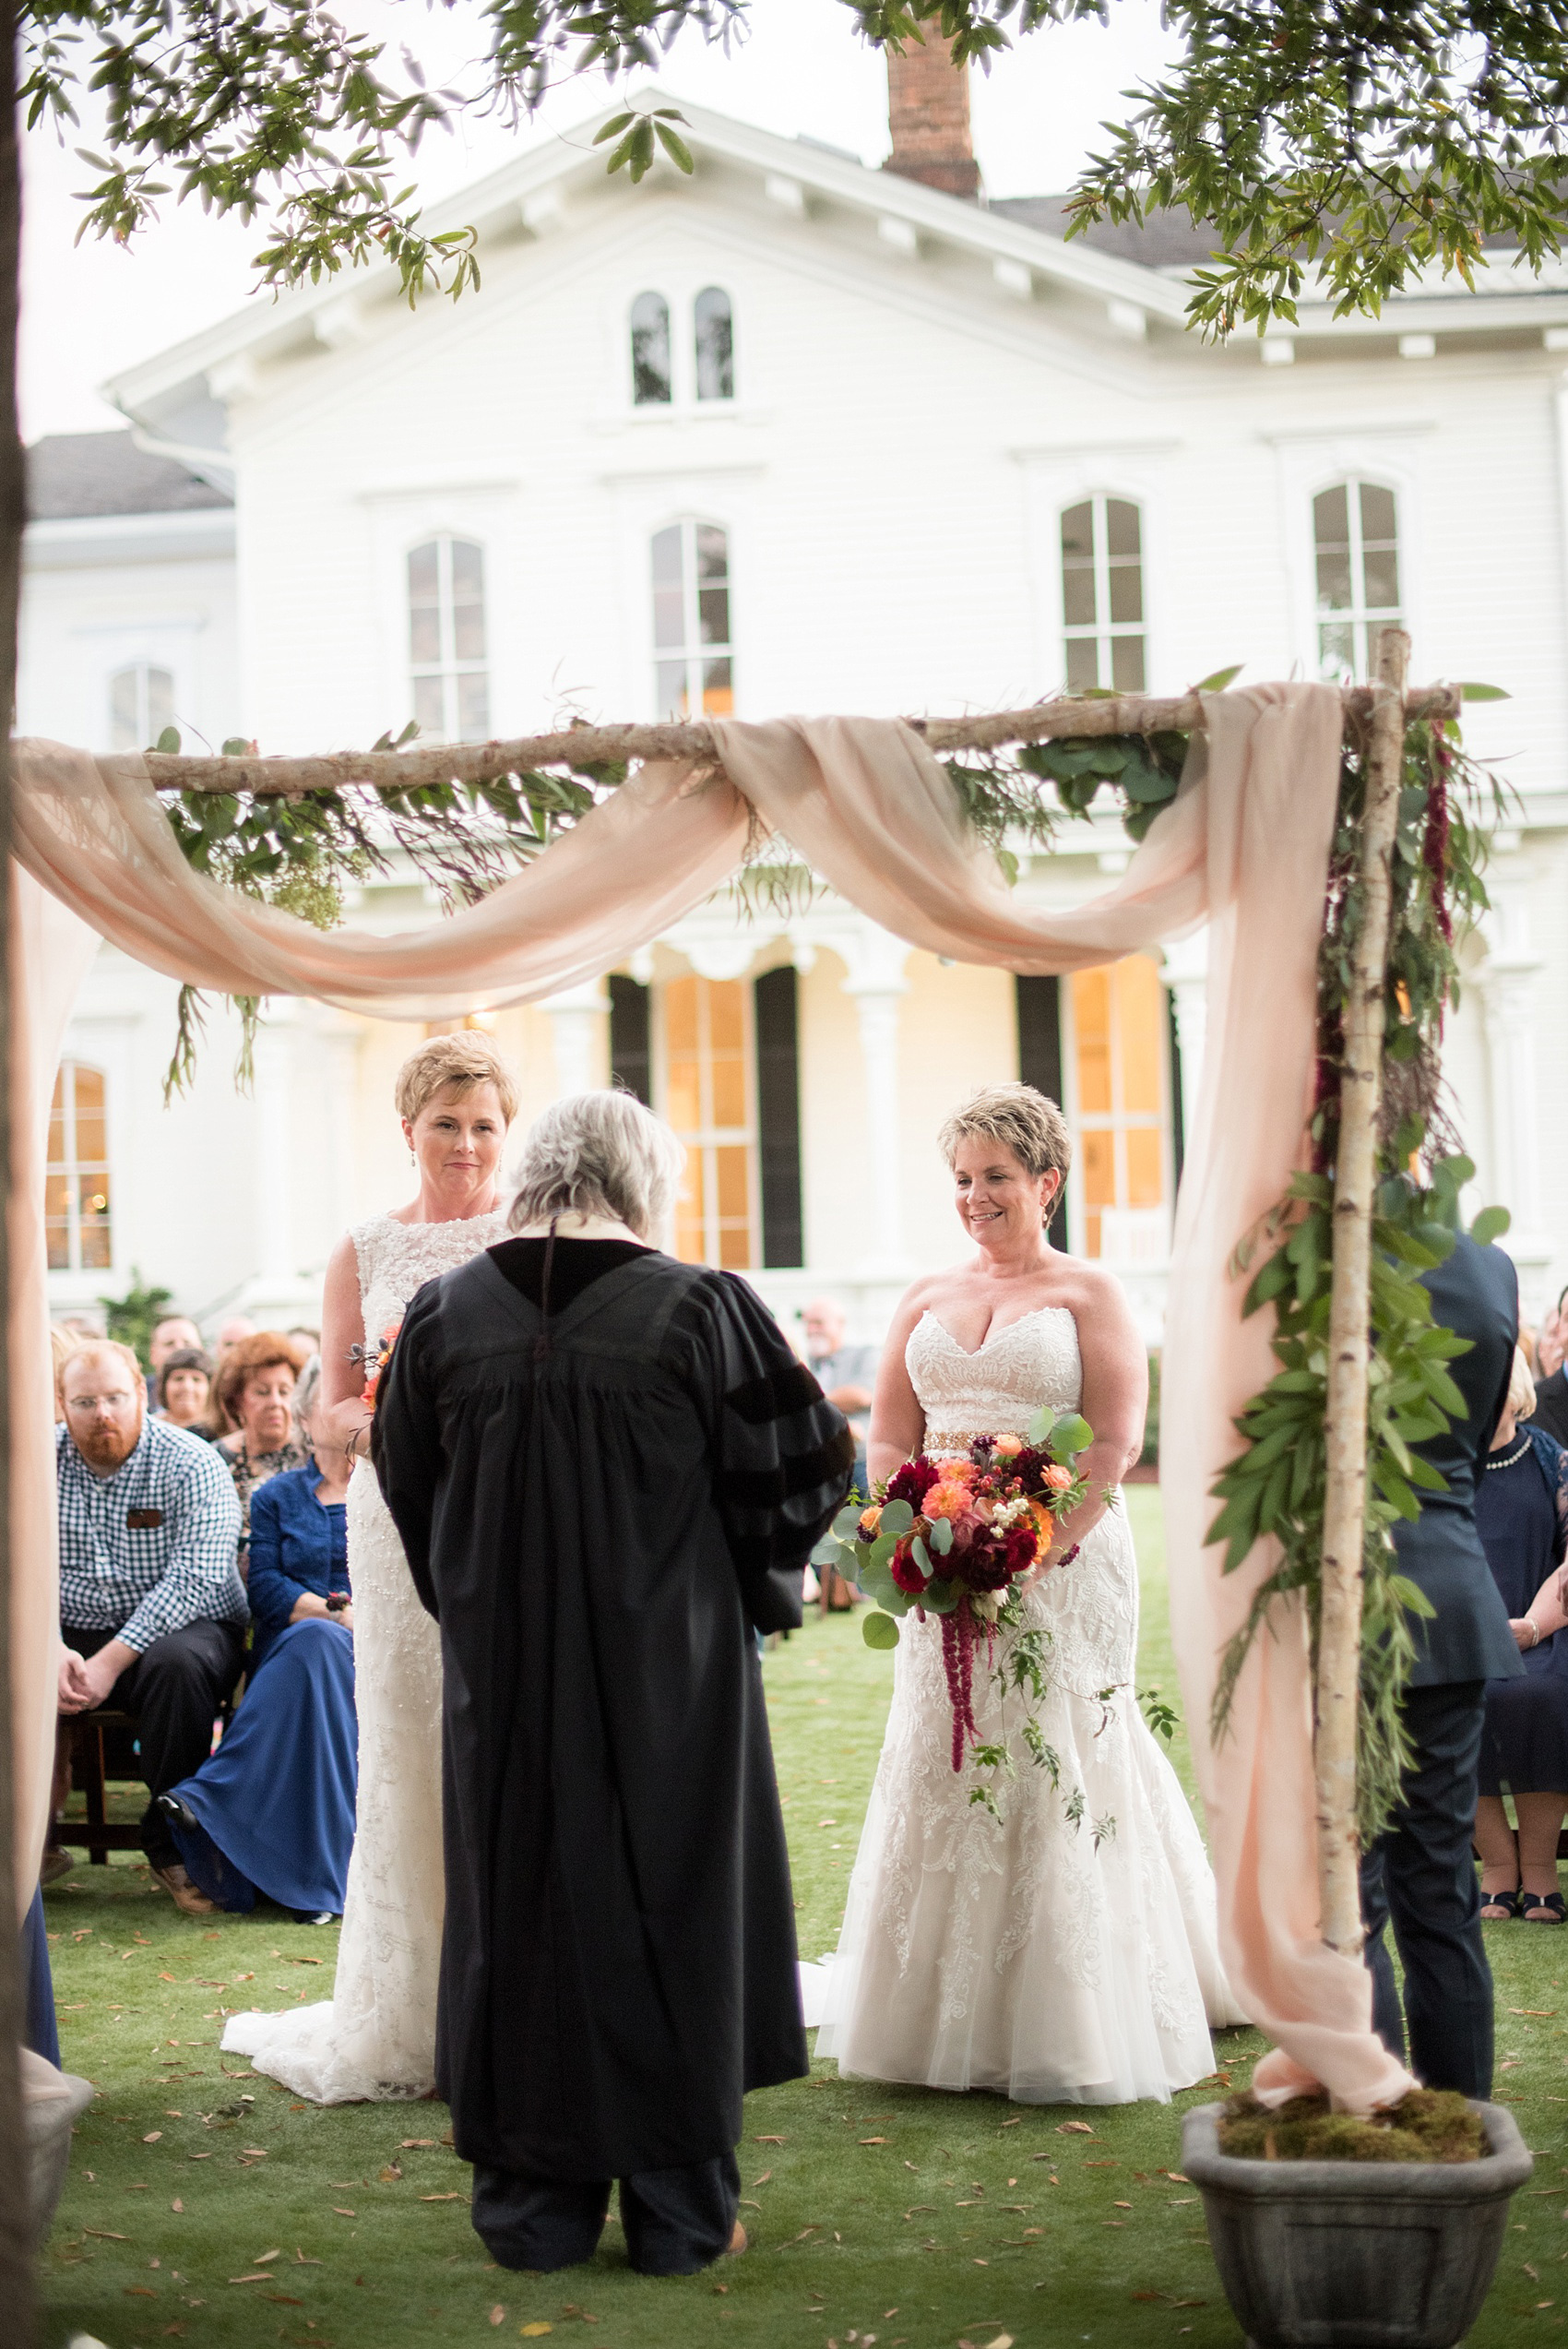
(397, 1259)
(997, 1390)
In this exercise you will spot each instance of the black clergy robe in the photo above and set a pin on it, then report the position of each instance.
(598, 1511)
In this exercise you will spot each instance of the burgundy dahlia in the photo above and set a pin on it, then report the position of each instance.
(913, 1482)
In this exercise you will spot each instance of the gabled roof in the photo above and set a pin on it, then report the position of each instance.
(75, 474)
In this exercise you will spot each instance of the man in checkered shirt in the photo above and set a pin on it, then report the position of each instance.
(152, 1609)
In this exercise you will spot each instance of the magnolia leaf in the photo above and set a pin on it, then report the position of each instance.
(1490, 1224)
(1220, 679)
(879, 1631)
(1471, 691)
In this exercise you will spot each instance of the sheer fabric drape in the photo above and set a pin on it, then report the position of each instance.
(866, 804)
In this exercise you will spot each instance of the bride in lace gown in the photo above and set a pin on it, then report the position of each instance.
(375, 2037)
(1019, 1957)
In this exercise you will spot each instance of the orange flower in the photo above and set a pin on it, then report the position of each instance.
(949, 1498)
(1008, 1447)
(958, 1471)
(870, 1519)
(1058, 1479)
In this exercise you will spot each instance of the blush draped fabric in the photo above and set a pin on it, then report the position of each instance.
(870, 809)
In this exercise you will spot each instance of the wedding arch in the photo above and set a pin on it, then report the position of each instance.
(1329, 838)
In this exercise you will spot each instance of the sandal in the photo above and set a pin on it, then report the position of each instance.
(1556, 1908)
(1499, 1908)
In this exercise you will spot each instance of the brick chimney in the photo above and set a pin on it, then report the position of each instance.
(928, 105)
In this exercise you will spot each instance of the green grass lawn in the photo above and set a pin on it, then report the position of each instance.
(238, 2215)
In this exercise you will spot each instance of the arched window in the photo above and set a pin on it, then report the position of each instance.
(446, 655)
(708, 1101)
(1102, 594)
(1356, 537)
(713, 327)
(77, 1213)
(650, 351)
(141, 703)
(692, 642)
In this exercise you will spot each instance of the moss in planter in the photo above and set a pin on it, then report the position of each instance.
(1428, 2125)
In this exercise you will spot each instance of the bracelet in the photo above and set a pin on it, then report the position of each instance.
(1535, 1631)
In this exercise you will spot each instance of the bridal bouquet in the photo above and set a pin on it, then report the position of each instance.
(373, 1361)
(954, 1537)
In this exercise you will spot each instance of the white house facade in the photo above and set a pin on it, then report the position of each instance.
(791, 433)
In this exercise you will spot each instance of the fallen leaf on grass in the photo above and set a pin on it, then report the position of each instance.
(259, 2258)
(140, 2291)
(260, 2276)
(302, 2261)
(1073, 2128)
(1533, 2273)
(767, 2140)
(498, 2314)
(106, 2235)
(409, 2143)
(176, 2204)
(1540, 2013)
(391, 2173)
(339, 2212)
(874, 2140)
(767, 2174)
(1176, 2178)
(458, 2197)
(152, 2137)
(533, 2332)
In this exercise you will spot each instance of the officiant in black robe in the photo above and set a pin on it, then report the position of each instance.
(607, 1469)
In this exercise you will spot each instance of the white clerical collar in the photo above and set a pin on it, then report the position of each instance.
(574, 1225)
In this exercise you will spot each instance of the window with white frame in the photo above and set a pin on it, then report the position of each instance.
(78, 1222)
(447, 640)
(1356, 545)
(651, 384)
(141, 703)
(713, 328)
(1102, 594)
(707, 1098)
(692, 649)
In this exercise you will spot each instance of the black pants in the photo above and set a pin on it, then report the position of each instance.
(1420, 1877)
(675, 2221)
(174, 1687)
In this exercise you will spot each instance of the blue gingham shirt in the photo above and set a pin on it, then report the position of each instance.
(143, 1580)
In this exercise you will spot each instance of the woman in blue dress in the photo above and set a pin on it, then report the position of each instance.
(272, 1811)
(1522, 1517)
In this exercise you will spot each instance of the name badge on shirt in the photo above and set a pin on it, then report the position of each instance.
(143, 1521)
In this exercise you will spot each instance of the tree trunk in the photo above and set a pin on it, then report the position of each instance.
(1355, 1179)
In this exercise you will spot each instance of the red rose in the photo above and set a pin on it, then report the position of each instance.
(904, 1572)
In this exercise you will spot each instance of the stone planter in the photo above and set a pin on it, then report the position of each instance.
(1355, 2255)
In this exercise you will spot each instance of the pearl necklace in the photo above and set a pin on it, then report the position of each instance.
(1492, 1465)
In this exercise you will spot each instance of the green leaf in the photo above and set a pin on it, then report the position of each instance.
(1471, 691)
(879, 1630)
(1070, 1434)
(897, 1517)
(169, 741)
(921, 1556)
(1490, 1224)
(674, 147)
(940, 1598)
(941, 1537)
(1009, 865)
(612, 128)
(846, 1524)
(1220, 679)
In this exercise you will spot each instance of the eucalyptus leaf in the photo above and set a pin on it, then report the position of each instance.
(879, 1630)
(1070, 1436)
(941, 1598)
(1490, 1224)
(897, 1517)
(941, 1537)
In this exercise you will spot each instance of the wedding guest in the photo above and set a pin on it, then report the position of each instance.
(272, 1811)
(232, 1333)
(1420, 1875)
(847, 1376)
(255, 1398)
(174, 1334)
(153, 1609)
(606, 1468)
(1551, 1411)
(185, 1389)
(1522, 1517)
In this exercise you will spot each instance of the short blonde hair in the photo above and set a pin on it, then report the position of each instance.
(600, 1153)
(1520, 1386)
(460, 1061)
(1025, 1122)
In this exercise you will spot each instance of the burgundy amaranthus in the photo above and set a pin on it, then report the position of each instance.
(958, 1663)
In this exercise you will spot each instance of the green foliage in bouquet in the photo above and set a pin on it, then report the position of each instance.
(1274, 1487)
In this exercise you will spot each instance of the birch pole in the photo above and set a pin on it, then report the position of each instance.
(1350, 1342)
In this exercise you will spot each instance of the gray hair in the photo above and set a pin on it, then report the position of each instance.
(1025, 1122)
(600, 1153)
(306, 1388)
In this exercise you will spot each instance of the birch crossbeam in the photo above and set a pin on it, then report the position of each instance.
(579, 746)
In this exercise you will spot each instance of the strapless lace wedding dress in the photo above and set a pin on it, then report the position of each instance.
(374, 2038)
(1017, 1957)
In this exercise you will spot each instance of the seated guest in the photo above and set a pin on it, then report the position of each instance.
(254, 1398)
(272, 1811)
(153, 1609)
(1551, 1388)
(173, 1334)
(1522, 1517)
(185, 1389)
(232, 1331)
(847, 1376)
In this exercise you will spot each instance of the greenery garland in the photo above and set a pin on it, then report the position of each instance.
(1274, 1486)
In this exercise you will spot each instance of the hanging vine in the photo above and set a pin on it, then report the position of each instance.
(1276, 1484)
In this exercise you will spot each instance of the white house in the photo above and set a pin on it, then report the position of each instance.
(789, 434)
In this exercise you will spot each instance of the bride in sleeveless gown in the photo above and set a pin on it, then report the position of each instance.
(374, 2038)
(1048, 1961)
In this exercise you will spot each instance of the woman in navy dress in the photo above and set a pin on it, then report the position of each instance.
(1522, 1517)
(272, 1811)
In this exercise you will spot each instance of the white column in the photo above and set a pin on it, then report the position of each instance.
(275, 1268)
(1508, 989)
(1186, 975)
(877, 983)
(577, 1018)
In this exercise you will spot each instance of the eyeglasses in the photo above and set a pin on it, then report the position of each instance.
(117, 1402)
